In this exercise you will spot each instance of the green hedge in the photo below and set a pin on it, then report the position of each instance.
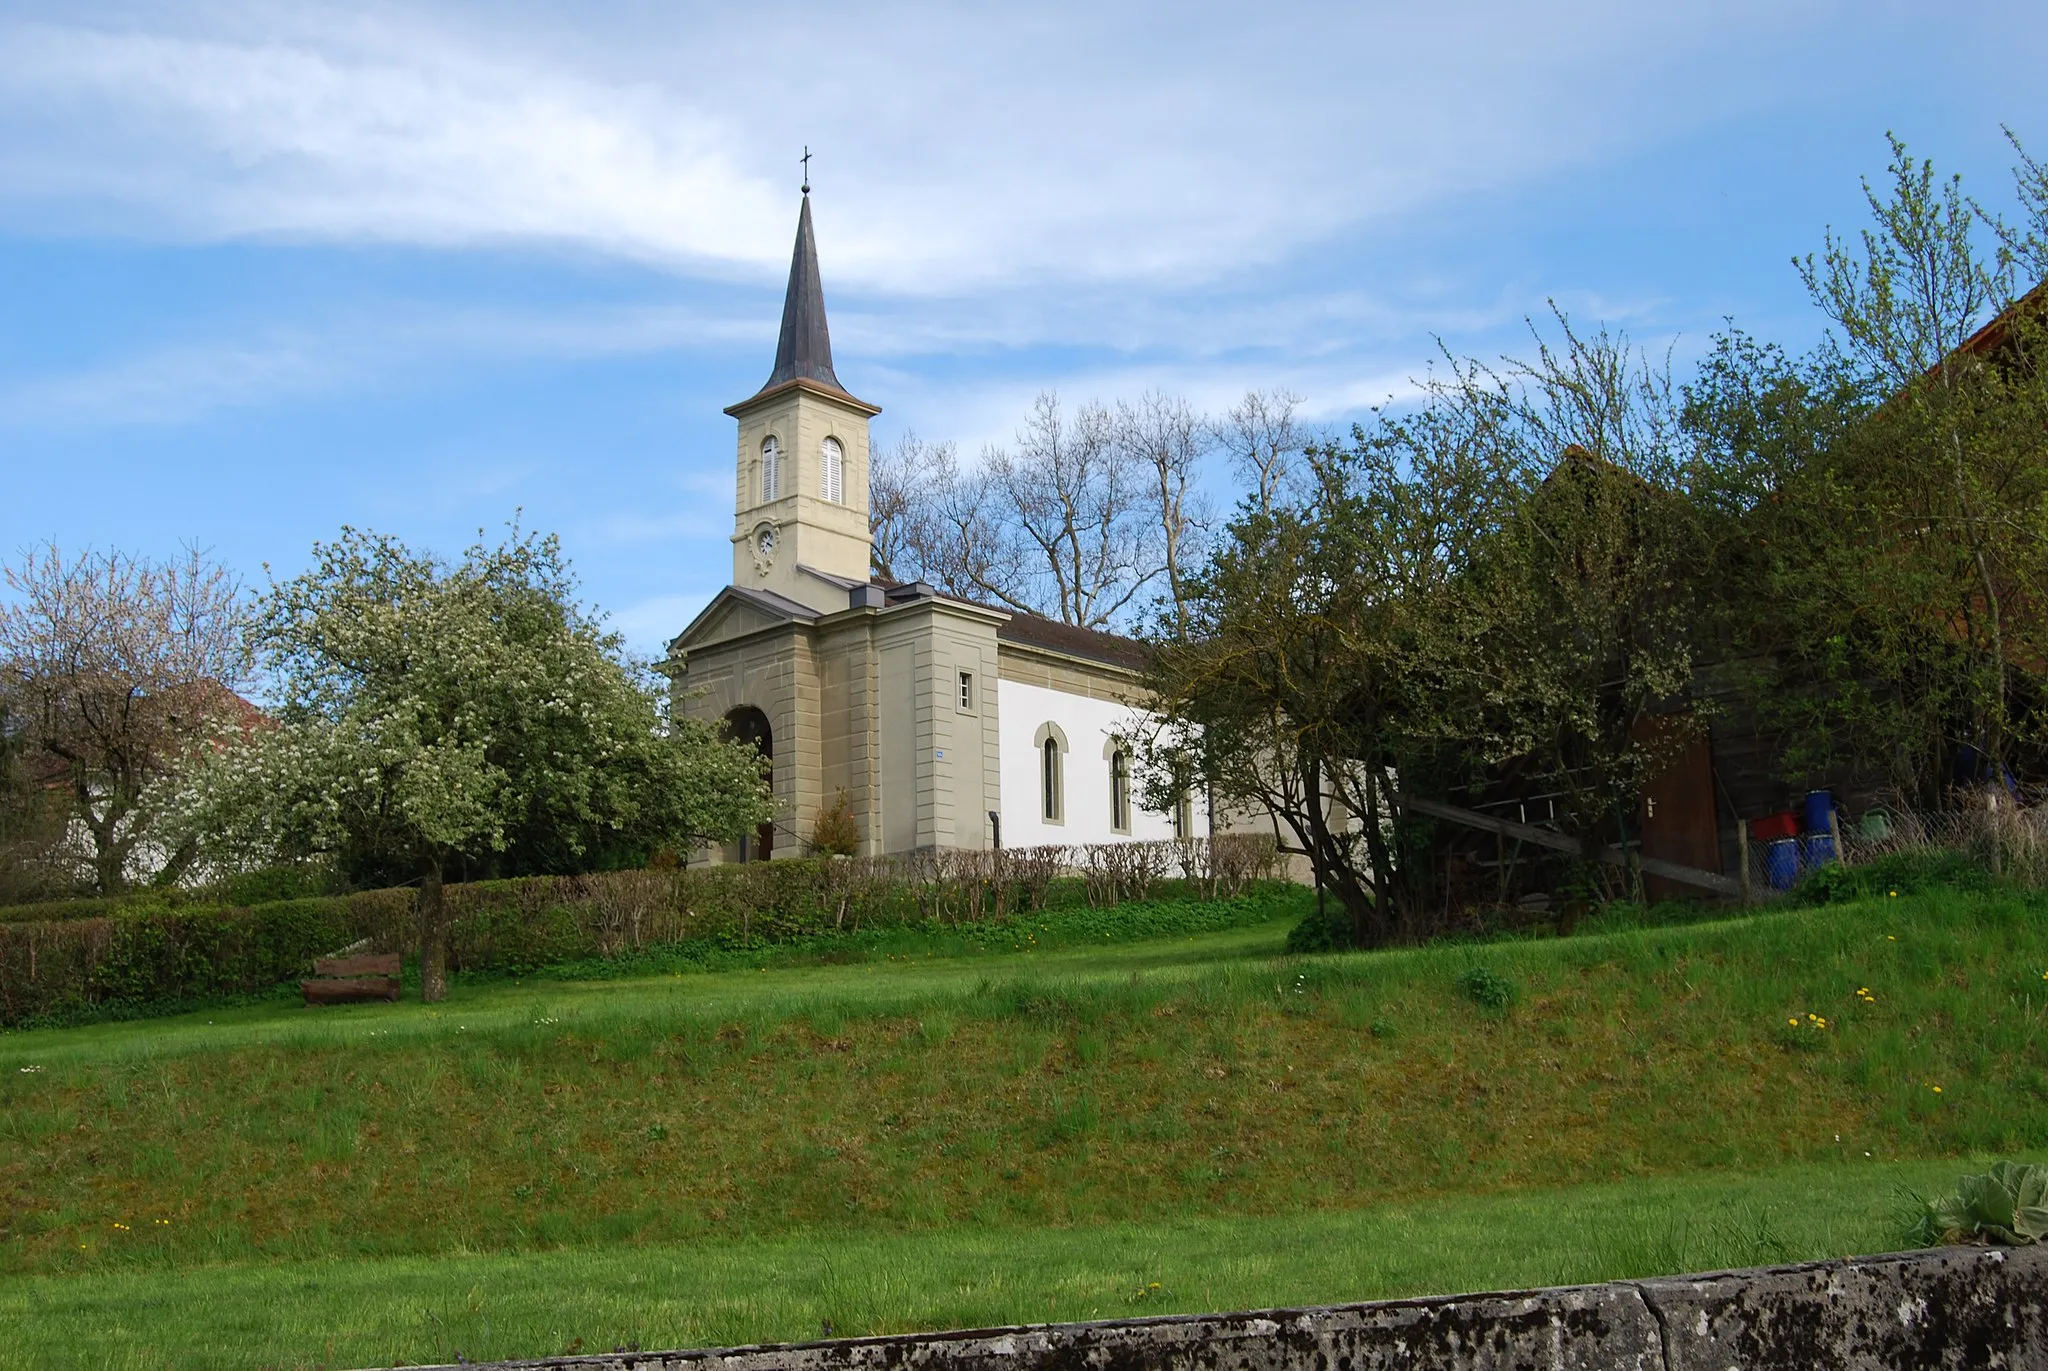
(267, 886)
(153, 956)
(59, 972)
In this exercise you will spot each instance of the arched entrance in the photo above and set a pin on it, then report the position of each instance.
(749, 725)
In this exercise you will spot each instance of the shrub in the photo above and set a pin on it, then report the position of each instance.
(55, 972)
(836, 834)
(1487, 988)
(1909, 871)
(276, 883)
(2007, 1205)
(1325, 929)
(171, 949)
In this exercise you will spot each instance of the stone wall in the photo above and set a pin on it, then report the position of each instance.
(1951, 1307)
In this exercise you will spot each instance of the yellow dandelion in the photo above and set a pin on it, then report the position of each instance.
(1937, 1090)
(1793, 1022)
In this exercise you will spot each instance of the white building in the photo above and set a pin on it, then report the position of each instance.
(942, 723)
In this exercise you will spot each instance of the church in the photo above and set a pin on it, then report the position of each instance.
(943, 723)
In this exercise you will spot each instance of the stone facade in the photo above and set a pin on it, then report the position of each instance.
(809, 533)
(864, 701)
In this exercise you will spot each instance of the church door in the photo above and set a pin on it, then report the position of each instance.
(749, 725)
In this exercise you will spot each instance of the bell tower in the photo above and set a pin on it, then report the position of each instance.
(800, 526)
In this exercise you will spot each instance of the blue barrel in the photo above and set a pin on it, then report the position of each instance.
(1816, 849)
(1781, 863)
(1819, 805)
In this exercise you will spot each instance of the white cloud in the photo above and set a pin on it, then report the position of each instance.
(963, 148)
(350, 349)
(988, 411)
(176, 384)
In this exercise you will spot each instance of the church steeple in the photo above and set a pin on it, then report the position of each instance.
(804, 352)
(800, 524)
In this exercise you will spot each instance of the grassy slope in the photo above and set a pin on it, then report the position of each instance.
(860, 1119)
(336, 1312)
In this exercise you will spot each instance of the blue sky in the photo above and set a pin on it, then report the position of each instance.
(268, 268)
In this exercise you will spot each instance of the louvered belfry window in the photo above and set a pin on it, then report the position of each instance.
(771, 470)
(832, 471)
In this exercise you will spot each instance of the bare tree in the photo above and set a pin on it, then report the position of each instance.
(1163, 437)
(1079, 501)
(114, 670)
(933, 522)
(1265, 441)
(32, 820)
(900, 483)
(1089, 508)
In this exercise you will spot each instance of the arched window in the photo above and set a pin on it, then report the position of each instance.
(1120, 790)
(1050, 779)
(771, 469)
(832, 471)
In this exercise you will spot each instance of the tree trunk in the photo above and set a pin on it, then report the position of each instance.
(433, 908)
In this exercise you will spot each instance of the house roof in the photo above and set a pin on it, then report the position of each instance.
(1993, 334)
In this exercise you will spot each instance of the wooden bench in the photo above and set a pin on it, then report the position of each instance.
(352, 980)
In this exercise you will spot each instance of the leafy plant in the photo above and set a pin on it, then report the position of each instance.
(836, 834)
(2007, 1205)
(1487, 988)
(1911, 872)
(1327, 928)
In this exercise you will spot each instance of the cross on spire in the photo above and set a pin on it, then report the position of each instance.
(806, 160)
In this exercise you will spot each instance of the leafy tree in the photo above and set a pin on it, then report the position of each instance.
(1494, 579)
(1948, 460)
(1314, 660)
(437, 716)
(1578, 613)
(1878, 505)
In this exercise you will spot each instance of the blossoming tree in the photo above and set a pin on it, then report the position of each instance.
(435, 716)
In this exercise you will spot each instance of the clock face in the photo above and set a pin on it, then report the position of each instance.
(764, 542)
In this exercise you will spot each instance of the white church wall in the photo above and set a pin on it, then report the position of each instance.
(1087, 725)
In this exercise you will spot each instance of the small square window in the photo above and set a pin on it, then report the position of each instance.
(966, 690)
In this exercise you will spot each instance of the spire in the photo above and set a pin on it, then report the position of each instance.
(805, 349)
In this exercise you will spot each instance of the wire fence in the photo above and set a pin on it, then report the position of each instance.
(2005, 838)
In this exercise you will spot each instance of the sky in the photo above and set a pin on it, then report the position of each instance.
(271, 268)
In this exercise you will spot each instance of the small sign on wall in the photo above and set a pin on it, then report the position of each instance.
(942, 754)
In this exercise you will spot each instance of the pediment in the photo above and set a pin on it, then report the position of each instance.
(734, 614)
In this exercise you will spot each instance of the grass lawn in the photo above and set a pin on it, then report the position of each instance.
(381, 1311)
(721, 1157)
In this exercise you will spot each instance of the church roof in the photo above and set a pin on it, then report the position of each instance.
(803, 352)
(1113, 649)
(1025, 630)
(805, 348)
